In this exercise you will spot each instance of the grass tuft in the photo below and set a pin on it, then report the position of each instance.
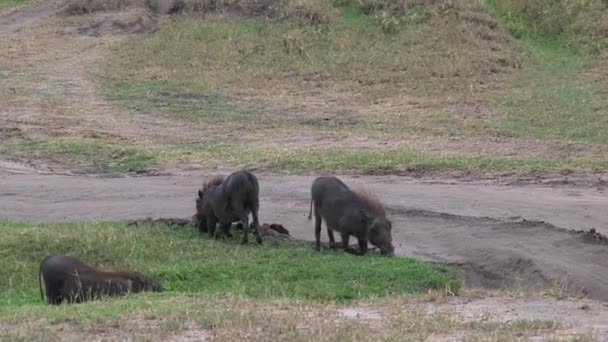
(88, 155)
(11, 3)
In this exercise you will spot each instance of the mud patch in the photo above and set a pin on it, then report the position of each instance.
(330, 121)
(171, 222)
(10, 132)
(271, 232)
(278, 228)
(269, 235)
(592, 236)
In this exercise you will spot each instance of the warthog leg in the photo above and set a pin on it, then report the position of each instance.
(346, 245)
(226, 229)
(243, 215)
(332, 241)
(245, 221)
(256, 226)
(345, 239)
(318, 221)
(202, 225)
(211, 221)
(362, 246)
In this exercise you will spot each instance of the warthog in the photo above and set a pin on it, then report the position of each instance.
(350, 213)
(229, 200)
(69, 279)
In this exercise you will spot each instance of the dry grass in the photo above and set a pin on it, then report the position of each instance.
(90, 6)
(228, 318)
(448, 83)
(353, 76)
(315, 12)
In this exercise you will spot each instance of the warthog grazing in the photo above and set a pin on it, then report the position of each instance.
(69, 279)
(349, 213)
(229, 200)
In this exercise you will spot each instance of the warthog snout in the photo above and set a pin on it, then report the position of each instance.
(390, 251)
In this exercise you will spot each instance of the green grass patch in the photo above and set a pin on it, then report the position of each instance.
(102, 158)
(566, 112)
(90, 156)
(366, 161)
(11, 3)
(189, 263)
(216, 56)
(549, 99)
(219, 73)
(210, 55)
(578, 23)
(170, 100)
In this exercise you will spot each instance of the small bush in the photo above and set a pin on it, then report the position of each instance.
(316, 12)
(387, 21)
(582, 24)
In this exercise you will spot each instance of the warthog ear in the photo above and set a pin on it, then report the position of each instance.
(200, 194)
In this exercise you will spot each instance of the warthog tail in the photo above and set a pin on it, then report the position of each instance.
(310, 212)
(40, 282)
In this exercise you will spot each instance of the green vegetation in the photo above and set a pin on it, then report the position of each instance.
(191, 55)
(580, 24)
(218, 72)
(552, 98)
(188, 263)
(10, 3)
(416, 85)
(368, 161)
(90, 155)
(564, 112)
(103, 158)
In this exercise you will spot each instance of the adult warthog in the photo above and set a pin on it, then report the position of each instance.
(228, 200)
(69, 279)
(350, 213)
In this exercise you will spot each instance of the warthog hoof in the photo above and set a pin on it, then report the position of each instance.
(351, 250)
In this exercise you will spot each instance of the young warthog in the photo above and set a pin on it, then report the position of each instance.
(69, 279)
(349, 213)
(229, 200)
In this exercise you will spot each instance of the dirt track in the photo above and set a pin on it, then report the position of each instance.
(492, 233)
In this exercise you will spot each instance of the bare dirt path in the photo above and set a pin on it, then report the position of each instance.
(492, 233)
(28, 16)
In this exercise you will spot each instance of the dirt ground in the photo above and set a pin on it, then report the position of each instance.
(512, 234)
